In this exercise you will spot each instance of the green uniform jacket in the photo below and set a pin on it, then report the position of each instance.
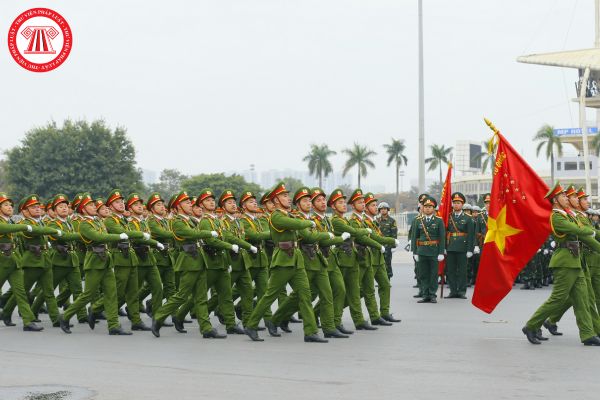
(93, 233)
(590, 257)
(324, 225)
(80, 249)
(140, 225)
(62, 253)
(565, 228)
(346, 253)
(187, 236)
(460, 233)
(388, 227)
(425, 231)
(116, 224)
(256, 234)
(159, 228)
(312, 236)
(214, 248)
(363, 243)
(35, 238)
(284, 229)
(6, 237)
(377, 257)
(233, 232)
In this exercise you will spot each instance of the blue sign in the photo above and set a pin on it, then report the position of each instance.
(574, 131)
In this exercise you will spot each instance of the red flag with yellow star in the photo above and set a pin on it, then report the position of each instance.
(518, 224)
(444, 210)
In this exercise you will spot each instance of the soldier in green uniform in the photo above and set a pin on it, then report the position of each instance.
(191, 267)
(346, 256)
(460, 246)
(10, 269)
(256, 233)
(99, 273)
(34, 259)
(287, 266)
(147, 271)
(378, 259)
(63, 258)
(365, 246)
(315, 264)
(388, 227)
(422, 197)
(429, 236)
(217, 261)
(569, 278)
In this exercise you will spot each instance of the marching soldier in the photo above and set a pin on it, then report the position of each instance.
(10, 269)
(460, 246)
(429, 236)
(388, 227)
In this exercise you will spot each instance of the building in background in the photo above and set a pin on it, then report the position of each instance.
(465, 158)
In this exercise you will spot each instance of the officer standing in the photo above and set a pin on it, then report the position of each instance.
(388, 227)
(460, 246)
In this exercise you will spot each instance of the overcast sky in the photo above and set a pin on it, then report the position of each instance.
(207, 86)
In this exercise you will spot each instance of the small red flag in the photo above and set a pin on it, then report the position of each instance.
(518, 224)
(445, 208)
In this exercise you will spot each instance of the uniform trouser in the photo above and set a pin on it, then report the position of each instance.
(260, 277)
(242, 282)
(14, 276)
(418, 278)
(591, 301)
(73, 279)
(367, 290)
(428, 266)
(127, 292)
(191, 284)
(150, 275)
(279, 278)
(319, 285)
(43, 277)
(64, 293)
(569, 283)
(388, 261)
(220, 280)
(384, 288)
(167, 277)
(456, 264)
(338, 289)
(595, 282)
(351, 281)
(95, 280)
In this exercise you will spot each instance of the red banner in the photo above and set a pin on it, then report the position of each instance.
(445, 208)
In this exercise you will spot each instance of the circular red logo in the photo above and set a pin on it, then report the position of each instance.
(40, 39)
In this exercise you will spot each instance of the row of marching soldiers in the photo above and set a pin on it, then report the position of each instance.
(127, 248)
(458, 243)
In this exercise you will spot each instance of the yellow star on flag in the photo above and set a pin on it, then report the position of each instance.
(499, 230)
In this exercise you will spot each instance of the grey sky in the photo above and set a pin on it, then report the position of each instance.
(205, 86)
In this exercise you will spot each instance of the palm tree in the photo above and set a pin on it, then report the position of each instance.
(487, 159)
(395, 151)
(439, 156)
(358, 156)
(545, 135)
(596, 144)
(318, 163)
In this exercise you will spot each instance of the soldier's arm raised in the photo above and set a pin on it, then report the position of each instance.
(282, 222)
(205, 224)
(158, 231)
(90, 233)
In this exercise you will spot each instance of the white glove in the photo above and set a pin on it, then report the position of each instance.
(253, 249)
(593, 233)
(160, 246)
(394, 249)
(58, 232)
(146, 236)
(214, 234)
(235, 248)
(553, 244)
(332, 247)
(29, 228)
(49, 245)
(382, 249)
(331, 235)
(123, 236)
(469, 254)
(416, 257)
(345, 235)
(476, 250)
(397, 242)
(539, 250)
(440, 257)
(369, 230)
(314, 224)
(545, 251)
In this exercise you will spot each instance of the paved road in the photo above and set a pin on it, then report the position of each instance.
(450, 350)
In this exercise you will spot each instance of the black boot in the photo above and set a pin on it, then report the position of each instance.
(148, 308)
(32, 327)
(380, 321)
(315, 338)
(336, 335)
(344, 330)
(426, 300)
(140, 327)
(530, 335)
(64, 325)
(253, 334)
(593, 341)
(390, 318)
(285, 326)
(156, 328)
(91, 318)
(213, 334)
(119, 332)
(295, 320)
(122, 313)
(178, 325)
(539, 336)
(272, 329)
(552, 328)
(8, 321)
(235, 330)
(365, 327)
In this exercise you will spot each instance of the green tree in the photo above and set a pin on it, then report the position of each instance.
(439, 156)
(169, 183)
(395, 152)
(75, 157)
(359, 156)
(546, 138)
(486, 158)
(218, 183)
(3, 180)
(318, 161)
